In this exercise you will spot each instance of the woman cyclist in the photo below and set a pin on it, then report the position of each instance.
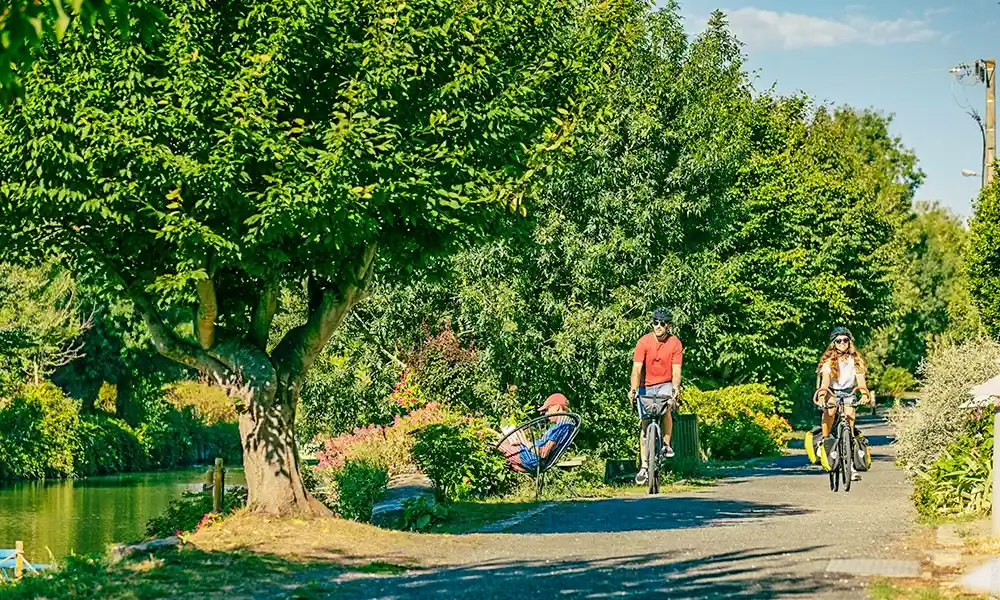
(841, 369)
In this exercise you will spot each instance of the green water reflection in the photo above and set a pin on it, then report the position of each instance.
(89, 515)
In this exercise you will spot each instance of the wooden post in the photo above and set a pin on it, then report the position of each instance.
(18, 560)
(218, 487)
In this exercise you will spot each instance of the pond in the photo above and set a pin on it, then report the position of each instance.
(88, 515)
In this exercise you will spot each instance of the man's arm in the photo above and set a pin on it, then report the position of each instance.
(634, 383)
(675, 376)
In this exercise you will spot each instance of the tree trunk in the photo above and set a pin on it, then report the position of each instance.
(271, 459)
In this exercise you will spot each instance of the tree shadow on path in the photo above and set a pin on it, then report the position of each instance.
(741, 575)
(652, 513)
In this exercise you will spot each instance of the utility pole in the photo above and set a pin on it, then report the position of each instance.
(989, 70)
(983, 72)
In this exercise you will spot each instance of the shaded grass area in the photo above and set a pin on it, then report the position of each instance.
(183, 573)
(241, 574)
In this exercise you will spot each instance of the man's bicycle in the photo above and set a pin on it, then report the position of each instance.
(838, 455)
(654, 406)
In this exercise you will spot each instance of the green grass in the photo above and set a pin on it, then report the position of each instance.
(882, 590)
(935, 520)
(466, 516)
(190, 573)
(379, 567)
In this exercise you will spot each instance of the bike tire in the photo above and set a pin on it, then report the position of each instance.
(653, 458)
(846, 459)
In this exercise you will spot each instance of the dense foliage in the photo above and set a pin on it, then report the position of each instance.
(960, 479)
(984, 256)
(737, 422)
(191, 511)
(43, 434)
(304, 145)
(924, 432)
(313, 215)
(762, 220)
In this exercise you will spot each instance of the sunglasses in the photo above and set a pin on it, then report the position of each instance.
(659, 322)
(842, 340)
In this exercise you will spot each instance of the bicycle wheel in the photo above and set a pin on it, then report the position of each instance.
(846, 460)
(653, 458)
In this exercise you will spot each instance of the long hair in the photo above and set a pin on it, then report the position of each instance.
(832, 356)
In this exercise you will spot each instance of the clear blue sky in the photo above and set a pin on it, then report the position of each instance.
(891, 55)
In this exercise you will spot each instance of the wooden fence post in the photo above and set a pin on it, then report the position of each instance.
(18, 560)
(218, 488)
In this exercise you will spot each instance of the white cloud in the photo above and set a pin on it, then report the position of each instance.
(768, 30)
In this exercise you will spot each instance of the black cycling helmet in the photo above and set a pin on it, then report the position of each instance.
(663, 314)
(840, 330)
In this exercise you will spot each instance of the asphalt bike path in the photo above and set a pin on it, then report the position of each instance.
(766, 532)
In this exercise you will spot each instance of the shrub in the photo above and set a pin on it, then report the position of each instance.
(38, 428)
(960, 480)
(390, 447)
(107, 445)
(737, 422)
(360, 484)
(420, 513)
(460, 460)
(924, 432)
(190, 511)
(896, 380)
(208, 404)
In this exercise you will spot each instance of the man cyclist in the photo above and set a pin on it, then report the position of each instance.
(841, 369)
(656, 366)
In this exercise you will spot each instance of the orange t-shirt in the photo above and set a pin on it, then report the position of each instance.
(658, 358)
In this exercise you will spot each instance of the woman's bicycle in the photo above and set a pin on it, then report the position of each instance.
(655, 406)
(838, 456)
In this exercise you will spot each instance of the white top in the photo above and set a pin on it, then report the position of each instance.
(848, 374)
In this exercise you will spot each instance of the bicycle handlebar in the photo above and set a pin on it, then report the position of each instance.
(839, 400)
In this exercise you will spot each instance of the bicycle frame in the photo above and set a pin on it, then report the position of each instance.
(844, 435)
(653, 448)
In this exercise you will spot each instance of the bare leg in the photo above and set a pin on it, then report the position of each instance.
(642, 442)
(667, 425)
(828, 416)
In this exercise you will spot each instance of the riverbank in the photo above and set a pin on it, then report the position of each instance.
(89, 515)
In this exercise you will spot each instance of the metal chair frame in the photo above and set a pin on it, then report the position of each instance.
(527, 432)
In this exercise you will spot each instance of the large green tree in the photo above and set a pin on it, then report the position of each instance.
(762, 220)
(42, 320)
(983, 258)
(931, 292)
(25, 25)
(270, 144)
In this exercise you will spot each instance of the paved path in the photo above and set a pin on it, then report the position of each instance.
(765, 533)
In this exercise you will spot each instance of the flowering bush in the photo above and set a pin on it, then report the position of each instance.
(355, 467)
(389, 446)
(737, 422)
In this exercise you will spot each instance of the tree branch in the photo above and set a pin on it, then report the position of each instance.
(263, 315)
(208, 312)
(300, 346)
(168, 345)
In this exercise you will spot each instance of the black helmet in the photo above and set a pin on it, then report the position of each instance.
(663, 314)
(840, 330)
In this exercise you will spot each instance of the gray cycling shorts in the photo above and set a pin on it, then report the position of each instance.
(653, 390)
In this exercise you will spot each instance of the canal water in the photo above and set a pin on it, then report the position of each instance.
(89, 515)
